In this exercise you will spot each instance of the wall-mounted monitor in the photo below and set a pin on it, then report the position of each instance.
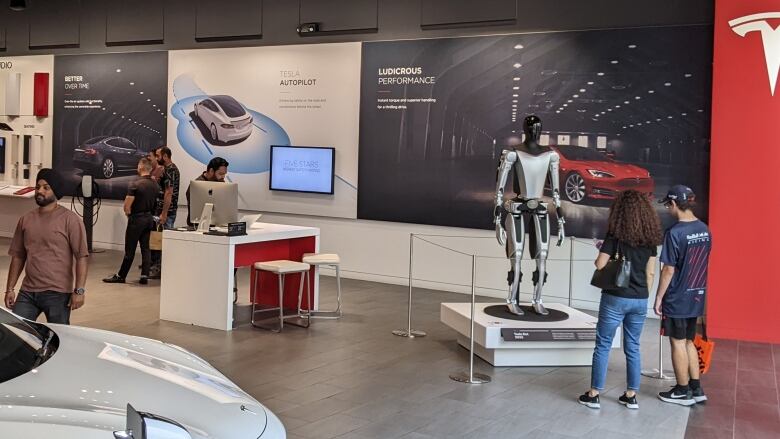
(302, 169)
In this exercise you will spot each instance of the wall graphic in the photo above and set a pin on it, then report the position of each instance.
(624, 108)
(109, 111)
(236, 103)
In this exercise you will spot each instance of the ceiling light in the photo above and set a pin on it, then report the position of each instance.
(626, 102)
(582, 90)
(575, 96)
(570, 101)
(581, 111)
(639, 124)
(614, 61)
(154, 105)
(603, 112)
(518, 46)
(609, 109)
(651, 91)
(617, 106)
(631, 126)
(624, 127)
(600, 74)
(132, 83)
(638, 98)
(632, 46)
(515, 88)
(565, 105)
(514, 101)
(658, 120)
(114, 112)
(668, 84)
(140, 92)
(514, 95)
(514, 105)
(700, 111)
(557, 111)
(148, 99)
(516, 78)
(648, 122)
(540, 93)
(590, 82)
(517, 65)
(669, 117)
(684, 114)
(119, 70)
(688, 75)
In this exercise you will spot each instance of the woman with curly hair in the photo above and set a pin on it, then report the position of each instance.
(634, 231)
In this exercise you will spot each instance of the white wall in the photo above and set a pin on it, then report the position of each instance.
(379, 251)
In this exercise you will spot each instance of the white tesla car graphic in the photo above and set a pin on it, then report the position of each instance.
(61, 381)
(225, 118)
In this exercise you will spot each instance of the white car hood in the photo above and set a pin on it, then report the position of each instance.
(84, 388)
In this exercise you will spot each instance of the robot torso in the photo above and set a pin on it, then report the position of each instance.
(531, 172)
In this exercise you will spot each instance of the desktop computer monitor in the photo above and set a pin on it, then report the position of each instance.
(224, 197)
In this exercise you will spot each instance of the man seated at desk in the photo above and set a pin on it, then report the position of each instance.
(216, 170)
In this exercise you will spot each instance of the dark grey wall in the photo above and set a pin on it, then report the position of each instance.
(94, 26)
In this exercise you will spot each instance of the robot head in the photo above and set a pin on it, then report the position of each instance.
(532, 127)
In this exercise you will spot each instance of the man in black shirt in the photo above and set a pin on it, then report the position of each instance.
(139, 207)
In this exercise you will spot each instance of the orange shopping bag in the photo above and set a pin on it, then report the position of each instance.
(704, 347)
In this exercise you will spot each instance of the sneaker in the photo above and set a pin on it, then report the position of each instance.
(144, 280)
(589, 401)
(628, 401)
(114, 279)
(698, 395)
(677, 396)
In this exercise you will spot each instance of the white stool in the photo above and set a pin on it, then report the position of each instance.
(330, 260)
(282, 268)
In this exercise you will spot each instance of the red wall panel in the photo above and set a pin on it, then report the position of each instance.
(744, 297)
(41, 95)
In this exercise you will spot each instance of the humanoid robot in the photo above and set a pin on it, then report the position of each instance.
(531, 163)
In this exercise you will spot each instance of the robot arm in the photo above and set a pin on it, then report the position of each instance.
(556, 189)
(508, 158)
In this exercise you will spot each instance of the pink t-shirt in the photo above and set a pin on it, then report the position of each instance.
(49, 242)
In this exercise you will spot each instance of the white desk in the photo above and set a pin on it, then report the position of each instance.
(197, 270)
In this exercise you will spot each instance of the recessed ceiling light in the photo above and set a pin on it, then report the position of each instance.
(154, 105)
(557, 111)
(123, 117)
(132, 83)
(518, 46)
(668, 84)
(119, 70)
(700, 111)
(624, 127)
(575, 96)
(514, 101)
(626, 102)
(582, 90)
(648, 122)
(617, 106)
(514, 105)
(516, 78)
(658, 120)
(140, 92)
(603, 112)
(638, 98)
(590, 82)
(632, 46)
(600, 74)
(688, 75)
(565, 105)
(581, 111)
(540, 93)
(639, 124)
(148, 99)
(570, 101)
(114, 112)
(614, 61)
(514, 95)
(651, 91)
(631, 126)
(515, 88)
(684, 114)
(517, 65)
(609, 109)
(104, 108)
(669, 117)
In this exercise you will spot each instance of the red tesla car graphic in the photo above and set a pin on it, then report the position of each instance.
(588, 174)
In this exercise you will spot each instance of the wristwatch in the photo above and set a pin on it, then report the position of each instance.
(79, 291)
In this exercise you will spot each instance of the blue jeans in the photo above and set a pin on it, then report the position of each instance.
(56, 306)
(613, 311)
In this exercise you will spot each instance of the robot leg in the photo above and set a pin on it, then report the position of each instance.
(515, 234)
(541, 234)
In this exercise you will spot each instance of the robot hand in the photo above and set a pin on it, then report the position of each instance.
(500, 232)
(561, 232)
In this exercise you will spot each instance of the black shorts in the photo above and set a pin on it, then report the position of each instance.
(679, 329)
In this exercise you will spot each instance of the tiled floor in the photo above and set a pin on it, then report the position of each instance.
(742, 385)
(352, 379)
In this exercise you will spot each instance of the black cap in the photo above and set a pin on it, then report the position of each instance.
(678, 193)
(54, 179)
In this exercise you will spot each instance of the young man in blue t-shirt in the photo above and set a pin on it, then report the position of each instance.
(681, 292)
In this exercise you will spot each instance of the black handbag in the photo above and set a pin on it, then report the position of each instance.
(615, 275)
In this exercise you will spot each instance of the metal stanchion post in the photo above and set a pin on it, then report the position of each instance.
(571, 270)
(471, 377)
(408, 332)
(660, 373)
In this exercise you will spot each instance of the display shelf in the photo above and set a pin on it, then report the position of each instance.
(8, 191)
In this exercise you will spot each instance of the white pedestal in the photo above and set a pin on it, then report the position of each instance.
(504, 342)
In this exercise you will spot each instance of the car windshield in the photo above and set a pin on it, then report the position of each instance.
(95, 139)
(579, 153)
(20, 343)
(231, 106)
